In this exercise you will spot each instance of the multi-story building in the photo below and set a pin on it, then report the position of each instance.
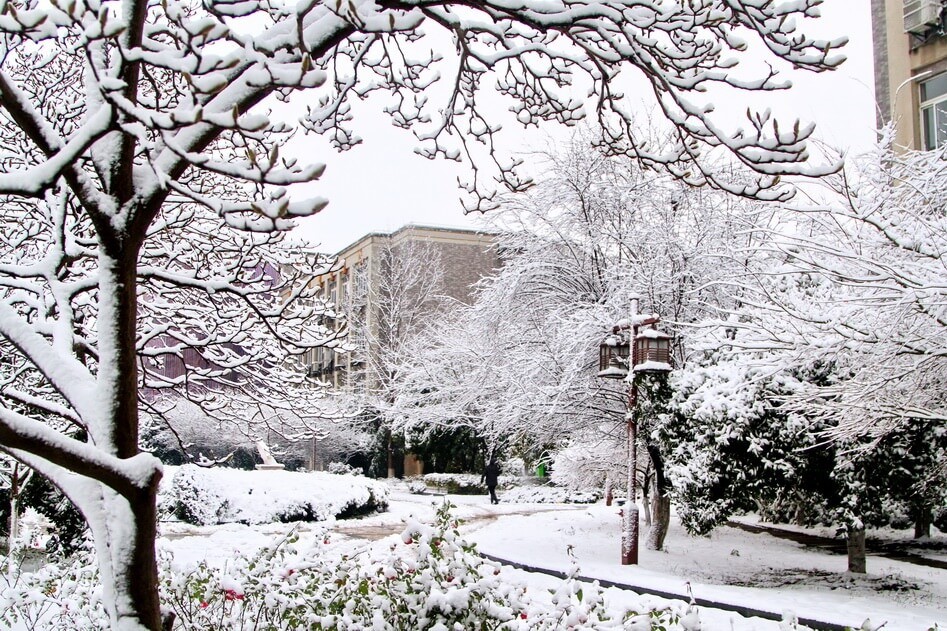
(386, 286)
(910, 47)
(380, 264)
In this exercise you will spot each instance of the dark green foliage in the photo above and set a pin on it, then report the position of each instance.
(896, 480)
(733, 447)
(450, 451)
(244, 458)
(730, 447)
(71, 530)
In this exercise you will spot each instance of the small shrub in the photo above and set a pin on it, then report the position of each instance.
(417, 486)
(342, 468)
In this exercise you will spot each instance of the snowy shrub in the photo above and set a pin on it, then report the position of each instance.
(214, 496)
(34, 530)
(341, 468)
(193, 499)
(428, 579)
(417, 486)
(55, 596)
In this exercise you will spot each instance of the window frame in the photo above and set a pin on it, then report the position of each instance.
(931, 104)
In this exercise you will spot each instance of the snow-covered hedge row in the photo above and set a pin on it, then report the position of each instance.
(429, 579)
(203, 496)
(518, 489)
(547, 495)
(464, 483)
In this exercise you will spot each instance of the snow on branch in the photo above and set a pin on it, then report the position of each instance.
(125, 476)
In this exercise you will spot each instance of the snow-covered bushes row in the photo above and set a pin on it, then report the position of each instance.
(464, 483)
(548, 494)
(524, 490)
(203, 496)
(430, 579)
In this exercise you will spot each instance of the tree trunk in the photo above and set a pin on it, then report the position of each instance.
(14, 508)
(645, 494)
(125, 527)
(608, 490)
(856, 550)
(661, 502)
(922, 521)
(125, 549)
(661, 521)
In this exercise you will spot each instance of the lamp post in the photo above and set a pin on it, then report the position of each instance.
(646, 350)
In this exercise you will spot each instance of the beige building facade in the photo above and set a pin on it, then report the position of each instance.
(462, 257)
(910, 49)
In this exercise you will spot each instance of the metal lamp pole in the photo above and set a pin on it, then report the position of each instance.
(654, 357)
(629, 537)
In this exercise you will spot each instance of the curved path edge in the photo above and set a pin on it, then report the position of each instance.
(747, 612)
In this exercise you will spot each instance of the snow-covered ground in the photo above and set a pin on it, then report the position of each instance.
(732, 566)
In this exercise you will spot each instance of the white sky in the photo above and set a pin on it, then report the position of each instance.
(381, 184)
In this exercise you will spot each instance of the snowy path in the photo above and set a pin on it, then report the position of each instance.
(732, 567)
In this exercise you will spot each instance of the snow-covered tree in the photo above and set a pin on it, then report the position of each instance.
(846, 289)
(114, 114)
(878, 247)
(520, 365)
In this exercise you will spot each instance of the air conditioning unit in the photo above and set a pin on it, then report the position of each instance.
(921, 15)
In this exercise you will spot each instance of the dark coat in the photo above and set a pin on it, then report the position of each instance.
(491, 474)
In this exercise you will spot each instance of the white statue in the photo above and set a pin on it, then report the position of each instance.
(269, 462)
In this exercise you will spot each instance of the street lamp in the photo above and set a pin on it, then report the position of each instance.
(637, 345)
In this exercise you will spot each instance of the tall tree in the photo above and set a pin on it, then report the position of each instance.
(521, 364)
(112, 111)
(849, 286)
(878, 244)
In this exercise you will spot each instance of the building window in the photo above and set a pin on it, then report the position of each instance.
(934, 111)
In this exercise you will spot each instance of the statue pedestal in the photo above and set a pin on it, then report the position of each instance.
(270, 467)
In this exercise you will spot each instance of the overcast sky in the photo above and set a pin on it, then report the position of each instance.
(381, 184)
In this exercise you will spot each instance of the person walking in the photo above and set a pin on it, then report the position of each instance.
(491, 474)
